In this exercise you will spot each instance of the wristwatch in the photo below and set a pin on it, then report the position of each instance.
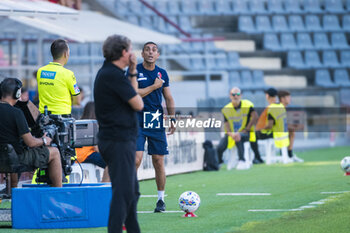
(133, 75)
(44, 140)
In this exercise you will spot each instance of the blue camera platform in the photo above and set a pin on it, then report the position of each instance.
(72, 206)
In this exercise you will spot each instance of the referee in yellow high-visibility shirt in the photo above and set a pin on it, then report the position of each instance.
(56, 84)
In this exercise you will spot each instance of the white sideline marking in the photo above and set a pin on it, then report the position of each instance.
(274, 210)
(334, 192)
(316, 203)
(243, 194)
(306, 207)
(151, 195)
(151, 212)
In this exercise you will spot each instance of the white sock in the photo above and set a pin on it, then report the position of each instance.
(161, 195)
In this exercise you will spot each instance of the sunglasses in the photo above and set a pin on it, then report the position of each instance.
(236, 94)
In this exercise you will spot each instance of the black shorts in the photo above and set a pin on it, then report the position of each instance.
(262, 136)
(37, 157)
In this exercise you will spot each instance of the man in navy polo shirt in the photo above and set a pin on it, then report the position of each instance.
(153, 84)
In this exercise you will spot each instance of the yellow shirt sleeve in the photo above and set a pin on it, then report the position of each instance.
(72, 85)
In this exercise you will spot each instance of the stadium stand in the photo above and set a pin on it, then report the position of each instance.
(305, 36)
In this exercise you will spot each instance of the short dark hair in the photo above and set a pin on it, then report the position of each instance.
(113, 47)
(8, 87)
(272, 92)
(58, 47)
(283, 93)
(147, 43)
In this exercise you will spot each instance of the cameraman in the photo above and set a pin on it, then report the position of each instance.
(56, 84)
(13, 127)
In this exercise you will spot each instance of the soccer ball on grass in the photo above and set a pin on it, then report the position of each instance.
(189, 202)
(345, 164)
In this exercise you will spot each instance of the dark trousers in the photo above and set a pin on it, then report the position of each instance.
(120, 159)
(220, 149)
(240, 147)
(255, 148)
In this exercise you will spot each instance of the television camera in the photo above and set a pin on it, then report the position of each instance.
(66, 133)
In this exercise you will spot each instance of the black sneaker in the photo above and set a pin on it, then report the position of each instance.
(258, 161)
(160, 206)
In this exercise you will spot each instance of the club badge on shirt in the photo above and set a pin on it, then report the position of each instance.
(76, 88)
(141, 77)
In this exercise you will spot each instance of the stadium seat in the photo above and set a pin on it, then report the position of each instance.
(341, 77)
(221, 61)
(279, 23)
(321, 41)
(312, 23)
(275, 6)
(174, 48)
(189, 7)
(170, 28)
(174, 7)
(148, 11)
(135, 7)
(304, 41)
(312, 60)
(32, 55)
(345, 58)
(292, 6)
(330, 59)
(246, 24)
(233, 61)
(331, 23)
(271, 42)
(346, 22)
(185, 62)
(241, 7)
(338, 41)
(263, 24)
(288, 41)
(234, 79)
(223, 6)
(210, 62)
(334, 6)
(96, 49)
(296, 23)
(210, 45)
(146, 22)
(161, 6)
(257, 6)
(185, 23)
(323, 79)
(133, 19)
(258, 77)
(206, 7)
(197, 46)
(348, 5)
(247, 80)
(119, 7)
(312, 6)
(160, 24)
(197, 62)
(295, 60)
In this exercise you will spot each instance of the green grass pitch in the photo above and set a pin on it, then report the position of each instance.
(291, 186)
